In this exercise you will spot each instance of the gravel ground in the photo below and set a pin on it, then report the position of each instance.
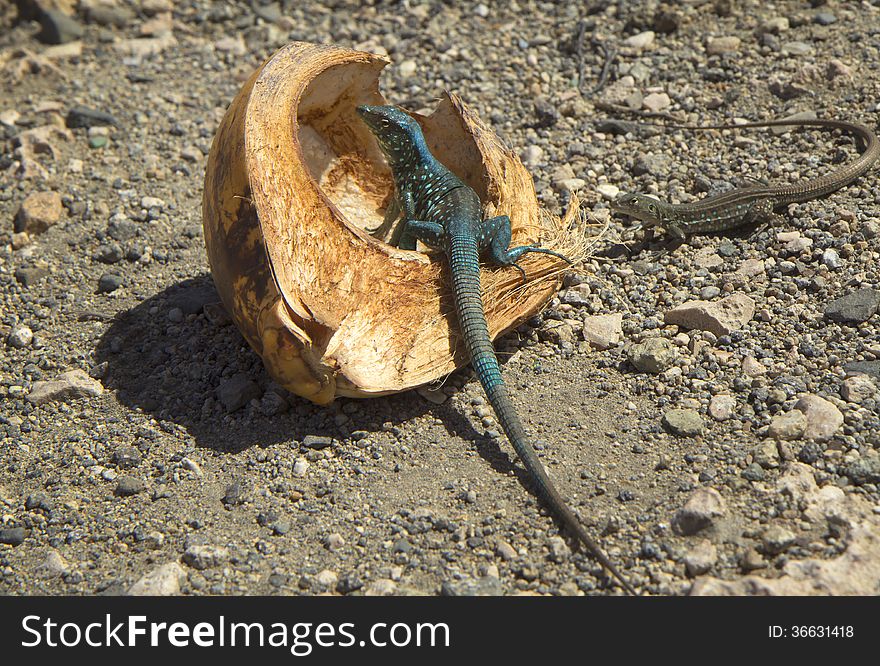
(728, 446)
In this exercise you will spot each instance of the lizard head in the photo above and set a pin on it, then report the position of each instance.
(639, 206)
(397, 132)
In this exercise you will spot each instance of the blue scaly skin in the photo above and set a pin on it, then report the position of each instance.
(441, 211)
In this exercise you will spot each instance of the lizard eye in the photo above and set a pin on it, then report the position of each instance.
(634, 201)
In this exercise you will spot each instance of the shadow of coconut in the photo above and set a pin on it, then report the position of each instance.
(178, 357)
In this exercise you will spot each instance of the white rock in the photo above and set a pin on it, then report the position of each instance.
(163, 581)
(205, 556)
(230, 44)
(9, 117)
(721, 406)
(54, 565)
(775, 25)
(854, 572)
(641, 40)
(700, 558)
(788, 426)
(859, 388)
(327, 578)
(719, 45)
(751, 268)
(572, 184)
(608, 191)
(719, 317)
(20, 337)
(152, 202)
(700, 510)
(603, 331)
(407, 68)
(70, 385)
(147, 46)
(753, 367)
(656, 101)
(823, 417)
(532, 155)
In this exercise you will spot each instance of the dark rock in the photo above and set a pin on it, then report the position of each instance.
(754, 472)
(546, 114)
(122, 230)
(666, 21)
(278, 580)
(727, 249)
(110, 254)
(217, 314)
(129, 485)
(234, 494)
(317, 441)
(273, 404)
(193, 299)
(281, 527)
(810, 452)
(864, 470)
(12, 536)
(349, 583)
(109, 14)
(28, 276)
(109, 282)
(81, 116)
(58, 28)
(237, 391)
(614, 126)
(854, 308)
(39, 501)
(266, 519)
(870, 368)
(126, 457)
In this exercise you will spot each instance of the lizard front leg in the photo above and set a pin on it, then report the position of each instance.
(495, 234)
(387, 231)
(405, 240)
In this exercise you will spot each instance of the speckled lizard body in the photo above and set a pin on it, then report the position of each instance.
(753, 203)
(442, 211)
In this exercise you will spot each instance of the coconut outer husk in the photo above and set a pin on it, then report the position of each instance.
(292, 181)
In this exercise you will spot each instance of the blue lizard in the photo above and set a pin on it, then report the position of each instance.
(440, 210)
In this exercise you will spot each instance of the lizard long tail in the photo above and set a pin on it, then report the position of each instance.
(464, 264)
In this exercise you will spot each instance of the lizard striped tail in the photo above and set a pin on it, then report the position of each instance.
(465, 270)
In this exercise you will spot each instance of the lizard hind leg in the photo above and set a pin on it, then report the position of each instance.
(495, 235)
(430, 233)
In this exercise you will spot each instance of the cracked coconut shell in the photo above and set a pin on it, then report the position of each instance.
(293, 179)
